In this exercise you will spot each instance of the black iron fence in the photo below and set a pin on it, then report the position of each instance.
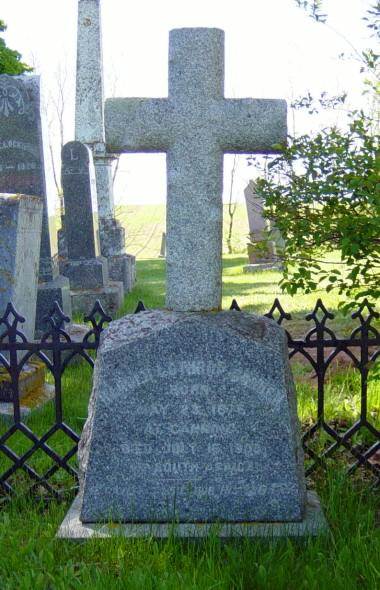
(356, 442)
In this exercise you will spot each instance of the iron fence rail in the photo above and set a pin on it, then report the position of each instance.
(56, 350)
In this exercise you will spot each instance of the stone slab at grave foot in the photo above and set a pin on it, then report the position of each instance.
(85, 268)
(193, 419)
(313, 524)
(24, 169)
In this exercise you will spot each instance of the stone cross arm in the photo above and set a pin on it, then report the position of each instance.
(228, 125)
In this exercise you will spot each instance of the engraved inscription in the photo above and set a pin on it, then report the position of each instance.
(191, 439)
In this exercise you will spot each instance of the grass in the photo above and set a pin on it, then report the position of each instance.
(145, 224)
(254, 292)
(348, 558)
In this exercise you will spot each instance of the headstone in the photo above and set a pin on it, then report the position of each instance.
(23, 169)
(195, 125)
(20, 240)
(89, 129)
(85, 268)
(261, 247)
(193, 417)
(196, 406)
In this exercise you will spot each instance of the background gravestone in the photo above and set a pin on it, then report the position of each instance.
(23, 170)
(262, 250)
(20, 239)
(85, 268)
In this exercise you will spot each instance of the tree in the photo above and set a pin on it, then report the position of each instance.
(232, 206)
(323, 193)
(10, 60)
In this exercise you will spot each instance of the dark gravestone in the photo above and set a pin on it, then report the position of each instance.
(193, 418)
(23, 171)
(85, 268)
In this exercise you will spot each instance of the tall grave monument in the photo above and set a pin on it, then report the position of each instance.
(193, 415)
(89, 129)
(85, 267)
(23, 170)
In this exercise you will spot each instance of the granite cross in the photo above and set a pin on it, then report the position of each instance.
(195, 125)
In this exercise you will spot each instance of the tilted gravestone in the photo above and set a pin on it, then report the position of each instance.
(89, 129)
(23, 170)
(85, 268)
(193, 417)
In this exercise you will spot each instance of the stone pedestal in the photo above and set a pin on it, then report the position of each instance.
(87, 274)
(192, 419)
(111, 296)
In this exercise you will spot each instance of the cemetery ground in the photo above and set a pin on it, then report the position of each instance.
(348, 557)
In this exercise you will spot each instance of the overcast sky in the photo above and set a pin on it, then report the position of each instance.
(273, 50)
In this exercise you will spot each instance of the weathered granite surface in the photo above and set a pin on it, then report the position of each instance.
(24, 169)
(193, 418)
(20, 240)
(89, 126)
(195, 125)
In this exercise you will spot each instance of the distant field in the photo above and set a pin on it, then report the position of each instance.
(145, 224)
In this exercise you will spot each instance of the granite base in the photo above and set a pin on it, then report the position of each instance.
(87, 274)
(313, 524)
(111, 298)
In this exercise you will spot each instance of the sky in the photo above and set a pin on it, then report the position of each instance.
(273, 50)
